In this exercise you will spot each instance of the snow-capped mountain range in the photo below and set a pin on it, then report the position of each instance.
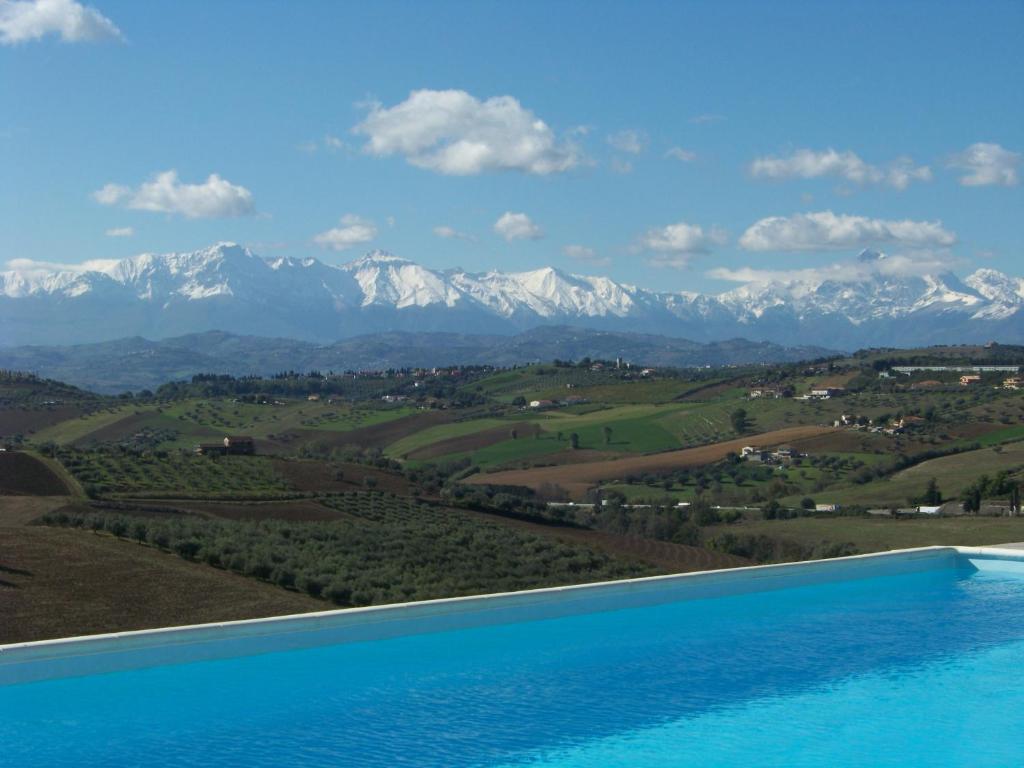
(229, 288)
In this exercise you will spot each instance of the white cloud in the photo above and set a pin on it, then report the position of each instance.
(452, 132)
(329, 143)
(986, 165)
(675, 244)
(25, 20)
(825, 230)
(630, 141)
(120, 232)
(619, 165)
(164, 193)
(354, 230)
(450, 233)
(585, 255)
(31, 267)
(812, 164)
(517, 226)
(844, 271)
(682, 155)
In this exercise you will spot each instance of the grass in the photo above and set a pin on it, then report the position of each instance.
(181, 424)
(75, 429)
(1004, 435)
(175, 475)
(432, 435)
(953, 474)
(870, 534)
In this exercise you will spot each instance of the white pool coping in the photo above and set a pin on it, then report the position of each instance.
(120, 651)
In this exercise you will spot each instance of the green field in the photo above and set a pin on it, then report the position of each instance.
(869, 534)
(952, 473)
(183, 423)
(174, 475)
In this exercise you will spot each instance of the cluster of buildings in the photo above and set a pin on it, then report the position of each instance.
(781, 455)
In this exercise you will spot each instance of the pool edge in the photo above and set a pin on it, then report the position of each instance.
(117, 651)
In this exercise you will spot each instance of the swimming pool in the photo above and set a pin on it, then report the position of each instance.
(909, 658)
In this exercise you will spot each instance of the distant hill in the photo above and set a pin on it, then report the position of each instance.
(136, 363)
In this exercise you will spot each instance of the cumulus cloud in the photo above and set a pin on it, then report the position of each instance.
(682, 155)
(354, 230)
(165, 193)
(987, 165)
(120, 232)
(585, 255)
(450, 233)
(825, 230)
(517, 226)
(452, 132)
(22, 21)
(812, 164)
(869, 265)
(630, 141)
(674, 245)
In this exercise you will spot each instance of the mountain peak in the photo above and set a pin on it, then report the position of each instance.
(377, 257)
(868, 256)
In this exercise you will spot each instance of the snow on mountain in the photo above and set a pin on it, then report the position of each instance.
(228, 287)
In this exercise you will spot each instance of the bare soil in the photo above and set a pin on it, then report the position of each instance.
(57, 582)
(320, 476)
(664, 555)
(14, 421)
(460, 444)
(578, 478)
(22, 474)
(375, 436)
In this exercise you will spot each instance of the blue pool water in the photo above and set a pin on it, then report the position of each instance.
(923, 669)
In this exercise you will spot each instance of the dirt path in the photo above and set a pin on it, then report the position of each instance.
(578, 478)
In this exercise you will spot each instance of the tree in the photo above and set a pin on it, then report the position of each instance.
(607, 432)
(574, 441)
(932, 495)
(739, 420)
(513, 433)
(807, 503)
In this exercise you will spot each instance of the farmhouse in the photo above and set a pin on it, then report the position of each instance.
(542, 403)
(1014, 382)
(968, 379)
(769, 392)
(237, 445)
(824, 393)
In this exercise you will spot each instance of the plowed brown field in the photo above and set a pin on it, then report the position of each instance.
(577, 478)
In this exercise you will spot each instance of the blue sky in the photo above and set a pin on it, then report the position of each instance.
(680, 146)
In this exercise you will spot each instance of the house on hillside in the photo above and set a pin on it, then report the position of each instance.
(968, 379)
(1014, 382)
(824, 393)
(235, 445)
(542, 403)
(766, 392)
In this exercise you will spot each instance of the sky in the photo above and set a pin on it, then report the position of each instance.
(675, 146)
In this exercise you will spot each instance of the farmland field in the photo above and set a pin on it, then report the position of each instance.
(577, 478)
